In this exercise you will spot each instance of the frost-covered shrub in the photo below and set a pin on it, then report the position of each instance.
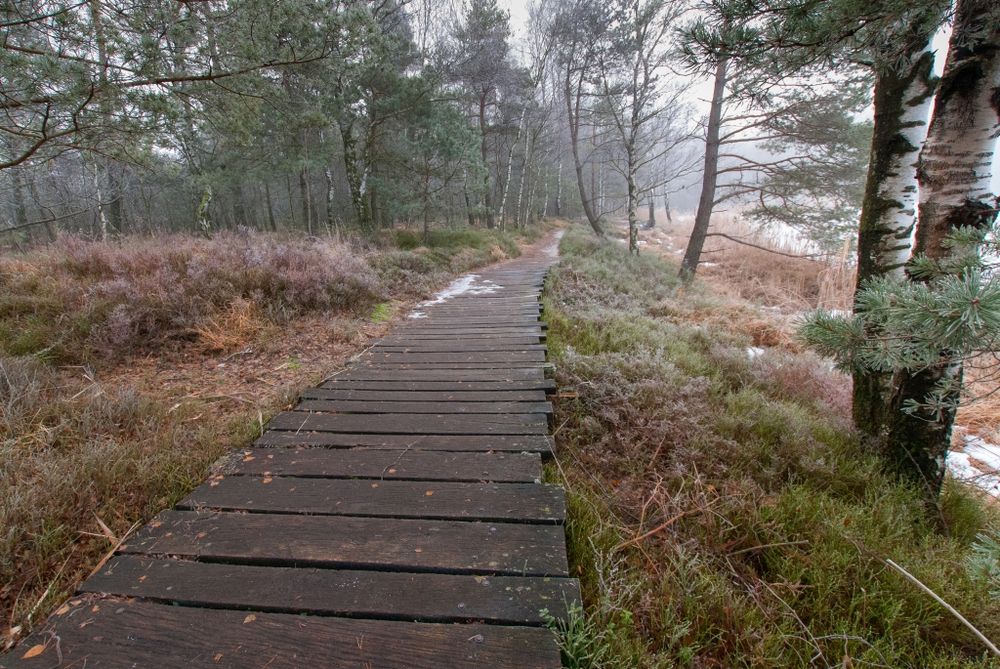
(138, 293)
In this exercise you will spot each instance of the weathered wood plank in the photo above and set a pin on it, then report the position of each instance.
(452, 598)
(368, 374)
(448, 407)
(456, 326)
(542, 444)
(472, 424)
(424, 395)
(439, 385)
(125, 634)
(357, 543)
(398, 465)
(448, 344)
(444, 366)
(378, 356)
(440, 500)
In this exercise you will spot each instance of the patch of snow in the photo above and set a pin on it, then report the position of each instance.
(977, 464)
(961, 467)
(754, 352)
(982, 450)
(708, 264)
(466, 285)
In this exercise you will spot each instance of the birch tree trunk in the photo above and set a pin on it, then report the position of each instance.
(954, 174)
(902, 101)
(706, 202)
(559, 188)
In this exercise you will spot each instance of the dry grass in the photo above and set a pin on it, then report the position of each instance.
(778, 281)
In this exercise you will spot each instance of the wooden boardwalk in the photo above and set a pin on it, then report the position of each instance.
(394, 518)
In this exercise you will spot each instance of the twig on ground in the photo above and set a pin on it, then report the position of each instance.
(114, 548)
(915, 581)
(659, 528)
(774, 545)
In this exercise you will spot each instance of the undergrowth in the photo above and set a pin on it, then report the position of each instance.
(87, 301)
(721, 511)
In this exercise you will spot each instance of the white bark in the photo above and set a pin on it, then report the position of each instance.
(900, 186)
(956, 163)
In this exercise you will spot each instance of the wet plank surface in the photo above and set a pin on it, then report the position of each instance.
(394, 518)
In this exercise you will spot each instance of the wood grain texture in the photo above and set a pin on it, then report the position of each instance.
(443, 500)
(472, 424)
(362, 395)
(391, 465)
(446, 407)
(132, 634)
(356, 543)
(418, 442)
(439, 385)
(511, 600)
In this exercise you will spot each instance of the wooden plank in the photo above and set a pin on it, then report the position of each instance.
(542, 444)
(414, 333)
(439, 546)
(444, 366)
(473, 424)
(450, 343)
(424, 395)
(438, 500)
(439, 385)
(457, 328)
(420, 339)
(432, 321)
(395, 464)
(119, 633)
(378, 356)
(368, 374)
(455, 407)
(509, 600)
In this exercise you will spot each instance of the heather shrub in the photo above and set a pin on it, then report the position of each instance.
(78, 297)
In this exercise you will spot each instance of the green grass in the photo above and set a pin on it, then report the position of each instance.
(780, 521)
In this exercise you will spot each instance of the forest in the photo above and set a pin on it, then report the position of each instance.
(781, 248)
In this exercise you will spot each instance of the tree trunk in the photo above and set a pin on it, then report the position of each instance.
(520, 185)
(559, 188)
(631, 208)
(110, 212)
(468, 201)
(270, 207)
(357, 179)
(666, 208)
(888, 213)
(573, 114)
(304, 195)
(510, 167)
(651, 220)
(20, 206)
(331, 219)
(954, 174)
(487, 194)
(709, 179)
